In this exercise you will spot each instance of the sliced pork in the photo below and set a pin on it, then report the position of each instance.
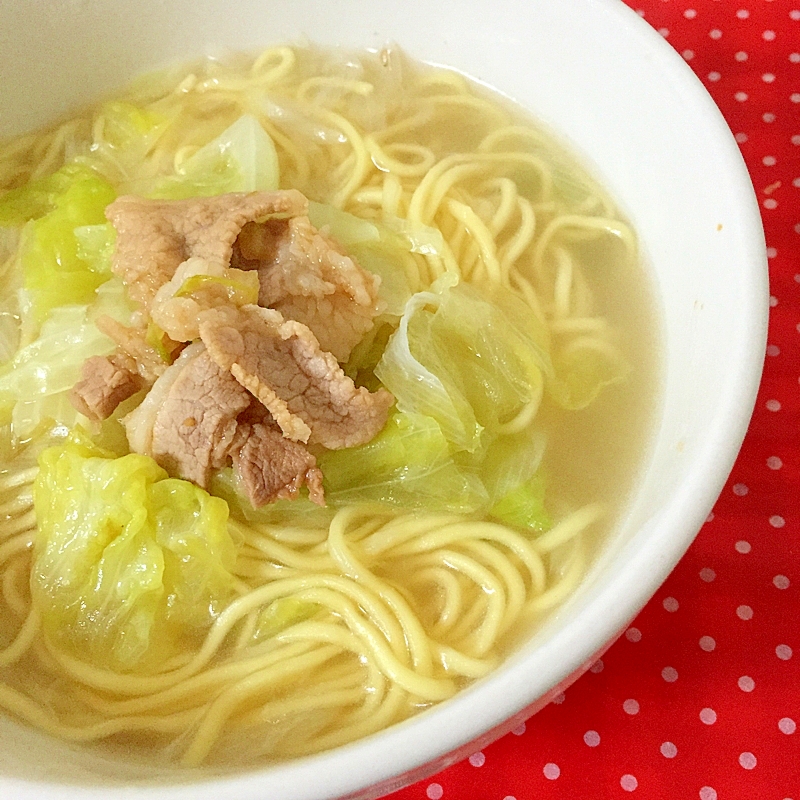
(106, 381)
(194, 419)
(306, 276)
(281, 363)
(155, 236)
(272, 467)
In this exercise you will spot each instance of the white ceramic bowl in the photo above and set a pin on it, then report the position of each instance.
(597, 74)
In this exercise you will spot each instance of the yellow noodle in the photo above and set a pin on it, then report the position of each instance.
(17, 572)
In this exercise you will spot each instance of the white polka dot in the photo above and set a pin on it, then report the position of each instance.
(640, 12)
(592, 738)
(770, 203)
(477, 759)
(668, 750)
(773, 462)
(631, 707)
(707, 793)
(784, 652)
(551, 771)
(519, 730)
(795, 97)
(509, 797)
(707, 574)
(744, 612)
(740, 489)
(670, 604)
(768, 117)
(714, 76)
(664, 32)
(597, 667)
(771, 252)
(710, 517)
(708, 716)
(743, 547)
(688, 54)
(747, 760)
(781, 582)
(773, 301)
(768, 77)
(773, 405)
(794, 58)
(633, 635)
(769, 161)
(690, 13)
(787, 725)
(434, 791)
(559, 699)
(707, 643)
(743, 13)
(741, 96)
(796, 140)
(715, 33)
(794, 14)
(741, 138)
(746, 683)
(669, 674)
(628, 783)
(777, 521)
(768, 36)
(741, 56)
(796, 182)
(773, 350)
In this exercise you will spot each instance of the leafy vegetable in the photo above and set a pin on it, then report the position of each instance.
(129, 133)
(36, 198)
(242, 158)
(346, 228)
(408, 463)
(96, 246)
(523, 507)
(470, 361)
(126, 560)
(282, 613)
(38, 380)
(582, 370)
(54, 271)
(240, 291)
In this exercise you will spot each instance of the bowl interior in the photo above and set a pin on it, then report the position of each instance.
(644, 124)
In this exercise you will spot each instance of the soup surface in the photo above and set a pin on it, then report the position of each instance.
(466, 316)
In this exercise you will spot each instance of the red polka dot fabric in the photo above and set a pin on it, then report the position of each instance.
(701, 696)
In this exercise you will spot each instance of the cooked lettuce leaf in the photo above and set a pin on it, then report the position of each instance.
(282, 613)
(471, 360)
(408, 463)
(347, 229)
(96, 246)
(524, 506)
(126, 560)
(129, 133)
(38, 379)
(583, 368)
(242, 158)
(240, 291)
(54, 271)
(37, 197)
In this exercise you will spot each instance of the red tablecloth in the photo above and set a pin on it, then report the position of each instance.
(701, 696)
